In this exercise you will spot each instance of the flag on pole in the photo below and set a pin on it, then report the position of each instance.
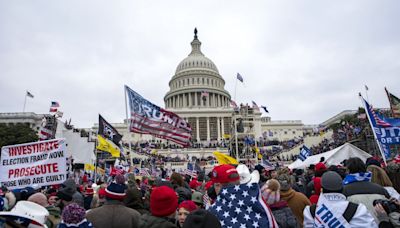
(385, 130)
(233, 104)
(148, 118)
(305, 152)
(108, 146)
(204, 94)
(54, 106)
(265, 109)
(108, 131)
(29, 94)
(224, 159)
(239, 77)
(255, 106)
(394, 104)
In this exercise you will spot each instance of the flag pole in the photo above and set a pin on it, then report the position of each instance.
(373, 131)
(235, 127)
(26, 93)
(366, 92)
(127, 126)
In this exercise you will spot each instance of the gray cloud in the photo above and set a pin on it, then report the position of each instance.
(303, 59)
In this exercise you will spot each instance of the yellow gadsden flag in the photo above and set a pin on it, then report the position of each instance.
(89, 167)
(108, 146)
(225, 159)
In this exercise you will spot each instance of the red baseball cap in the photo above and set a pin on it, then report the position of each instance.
(224, 174)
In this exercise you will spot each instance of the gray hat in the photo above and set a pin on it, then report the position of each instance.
(197, 197)
(331, 181)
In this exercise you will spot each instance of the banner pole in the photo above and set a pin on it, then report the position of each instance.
(127, 127)
(372, 128)
(23, 110)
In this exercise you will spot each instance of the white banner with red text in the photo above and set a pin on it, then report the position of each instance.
(37, 163)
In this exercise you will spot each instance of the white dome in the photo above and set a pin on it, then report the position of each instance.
(196, 59)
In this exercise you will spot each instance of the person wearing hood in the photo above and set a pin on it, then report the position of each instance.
(296, 201)
(282, 213)
(70, 186)
(163, 205)
(134, 200)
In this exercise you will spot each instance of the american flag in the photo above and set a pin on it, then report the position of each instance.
(377, 119)
(204, 94)
(206, 201)
(148, 118)
(190, 170)
(394, 104)
(242, 206)
(255, 106)
(54, 106)
(144, 172)
(233, 104)
(267, 165)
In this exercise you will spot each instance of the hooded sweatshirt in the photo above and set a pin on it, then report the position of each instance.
(134, 200)
(76, 196)
(297, 202)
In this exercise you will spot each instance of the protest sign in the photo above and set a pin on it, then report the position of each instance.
(38, 163)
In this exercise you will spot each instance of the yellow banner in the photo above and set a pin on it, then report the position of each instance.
(108, 146)
(89, 167)
(224, 159)
(227, 136)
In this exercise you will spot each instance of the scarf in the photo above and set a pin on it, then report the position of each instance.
(357, 177)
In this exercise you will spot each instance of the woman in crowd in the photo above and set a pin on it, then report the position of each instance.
(380, 177)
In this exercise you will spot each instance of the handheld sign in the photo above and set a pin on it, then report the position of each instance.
(41, 163)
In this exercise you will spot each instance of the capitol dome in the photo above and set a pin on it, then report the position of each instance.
(197, 83)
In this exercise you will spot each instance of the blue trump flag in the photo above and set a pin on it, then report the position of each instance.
(386, 130)
(305, 152)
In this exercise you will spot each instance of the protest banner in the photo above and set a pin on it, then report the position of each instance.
(38, 163)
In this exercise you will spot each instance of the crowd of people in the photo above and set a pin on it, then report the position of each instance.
(353, 195)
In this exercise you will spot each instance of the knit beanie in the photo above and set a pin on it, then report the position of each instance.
(188, 205)
(201, 219)
(116, 191)
(271, 191)
(74, 216)
(39, 198)
(163, 201)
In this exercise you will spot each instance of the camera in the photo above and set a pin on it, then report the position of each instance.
(389, 206)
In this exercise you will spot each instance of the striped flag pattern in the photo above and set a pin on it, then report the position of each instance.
(377, 119)
(148, 118)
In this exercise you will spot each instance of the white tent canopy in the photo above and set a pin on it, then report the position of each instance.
(332, 157)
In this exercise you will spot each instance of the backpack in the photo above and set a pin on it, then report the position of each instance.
(347, 214)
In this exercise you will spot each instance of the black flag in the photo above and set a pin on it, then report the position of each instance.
(108, 131)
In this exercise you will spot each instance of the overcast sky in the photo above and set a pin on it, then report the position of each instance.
(304, 60)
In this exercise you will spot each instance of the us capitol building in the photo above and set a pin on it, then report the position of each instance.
(197, 94)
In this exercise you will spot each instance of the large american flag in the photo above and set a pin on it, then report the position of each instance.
(148, 118)
(242, 206)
